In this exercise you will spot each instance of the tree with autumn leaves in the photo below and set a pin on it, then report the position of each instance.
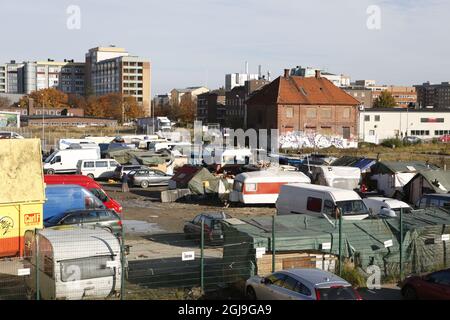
(112, 105)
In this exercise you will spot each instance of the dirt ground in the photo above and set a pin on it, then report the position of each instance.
(145, 205)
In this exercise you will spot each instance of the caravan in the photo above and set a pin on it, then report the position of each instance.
(263, 186)
(74, 264)
(316, 200)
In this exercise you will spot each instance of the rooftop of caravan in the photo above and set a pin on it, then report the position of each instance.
(337, 194)
(272, 176)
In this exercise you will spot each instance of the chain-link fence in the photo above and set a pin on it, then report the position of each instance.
(213, 259)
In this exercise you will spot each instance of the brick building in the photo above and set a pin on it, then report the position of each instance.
(292, 103)
(211, 107)
(71, 121)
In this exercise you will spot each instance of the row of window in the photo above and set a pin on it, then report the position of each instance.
(367, 118)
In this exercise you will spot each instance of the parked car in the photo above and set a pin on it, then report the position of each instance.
(10, 135)
(213, 228)
(65, 161)
(434, 200)
(99, 218)
(388, 207)
(77, 264)
(148, 177)
(97, 169)
(433, 286)
(412, 139)
(120, 170)
(300, 284)
(445, 138)
(87, 183)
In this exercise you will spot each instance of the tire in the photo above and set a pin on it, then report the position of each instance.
(50, 171)
(90, 175)
(409, 293)
(251, 294)
(144, 184)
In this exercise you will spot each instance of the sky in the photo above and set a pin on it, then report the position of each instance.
(196, 42)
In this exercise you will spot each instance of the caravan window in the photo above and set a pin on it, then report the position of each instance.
(251, 187)
(86, 268)
(314, 204)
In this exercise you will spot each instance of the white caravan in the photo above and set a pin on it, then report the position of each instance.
(74, 264)
(82, 143)
(65, 161)
(318, 200)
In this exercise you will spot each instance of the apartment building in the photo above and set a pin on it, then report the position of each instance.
(2, 78)
(176, 95)
(14, 77)
(66, 76)
(113, 70)
(339, 80)
(404, 96)
(433, 95)
(211, 107)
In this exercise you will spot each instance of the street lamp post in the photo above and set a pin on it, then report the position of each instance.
(43, 121)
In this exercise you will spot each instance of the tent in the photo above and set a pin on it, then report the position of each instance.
(429, 181)
(392, 176)
(198, 180)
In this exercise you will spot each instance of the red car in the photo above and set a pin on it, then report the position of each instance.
(445, 138)
(434, 286)
(87, 183)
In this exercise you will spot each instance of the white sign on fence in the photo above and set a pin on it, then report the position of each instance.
(188, 256)
(260, 252)
(445, 237)
(326, 246)
(388, 243)
(23, 272)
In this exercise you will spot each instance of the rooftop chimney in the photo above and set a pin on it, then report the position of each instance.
(317, 74)
(286, 73)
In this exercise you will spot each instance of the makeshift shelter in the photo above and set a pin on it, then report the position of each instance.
(430, 181)
(391, 176)
(364, 243)
(198, 180)
(332, 176)
(364, 164)
(129, 156)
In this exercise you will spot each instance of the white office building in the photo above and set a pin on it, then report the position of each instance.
(376, 125)
(238, 79)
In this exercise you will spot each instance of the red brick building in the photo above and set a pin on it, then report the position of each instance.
(292, 103)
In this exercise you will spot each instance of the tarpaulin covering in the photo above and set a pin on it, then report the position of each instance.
(365, 242)
(129, 156)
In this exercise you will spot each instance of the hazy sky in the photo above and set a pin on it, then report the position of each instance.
(195, 42)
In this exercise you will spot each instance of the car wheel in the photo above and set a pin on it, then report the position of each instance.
(409, 293)
(50, 171)
(144, 184)
(251, 294)
(90, 175)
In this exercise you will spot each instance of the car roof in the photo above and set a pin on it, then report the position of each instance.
(394, 203)
(214, 215)
(316, 277)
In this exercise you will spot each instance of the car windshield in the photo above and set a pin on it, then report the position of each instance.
(352, 207)
(405, 210)
(50, 157)
(337, 293)
(100, 194)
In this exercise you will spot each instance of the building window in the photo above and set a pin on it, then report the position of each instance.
(325, 113)
(311, 113)
(371, 132)
(377, 118)
(289, 112)
(366, 118)
(346, 113)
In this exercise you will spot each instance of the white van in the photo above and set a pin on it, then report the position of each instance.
(97, 169)
(311, 199)
(388, 207)
(65, 161)
(74, 264)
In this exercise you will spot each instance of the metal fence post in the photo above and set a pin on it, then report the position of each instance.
(202, 256)
(36, 235)
(340, 244)
(401, 244)
(273, 244)
(122, 265)
(444, 247)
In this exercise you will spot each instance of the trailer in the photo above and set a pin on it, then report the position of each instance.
(22, 196)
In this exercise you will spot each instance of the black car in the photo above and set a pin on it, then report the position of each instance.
(213, 227)
(101, 218)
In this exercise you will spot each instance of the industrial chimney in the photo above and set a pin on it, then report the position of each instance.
(286, 73)
(317, 74)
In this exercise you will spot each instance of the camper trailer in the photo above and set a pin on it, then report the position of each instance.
(263, 186)
(316, 200)
(333, 176)
(73, 264)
